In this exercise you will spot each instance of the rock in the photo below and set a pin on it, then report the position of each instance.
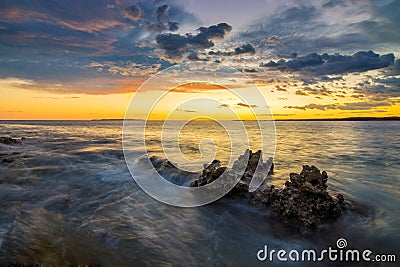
(9, 141)
(303, 202)
(314, 176)
(11, 157)
(214, 170)
(7, 160)
(209, 174)
(170, 172)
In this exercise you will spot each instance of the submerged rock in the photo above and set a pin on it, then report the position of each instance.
(10, 141)
(10, 158)
(170, 172)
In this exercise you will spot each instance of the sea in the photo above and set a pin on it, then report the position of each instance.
(68, 198)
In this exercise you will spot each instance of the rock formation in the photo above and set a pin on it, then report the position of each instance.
(10, 141)
(9, 157)
(303, 202)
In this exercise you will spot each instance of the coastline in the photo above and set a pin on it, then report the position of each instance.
(391, 118)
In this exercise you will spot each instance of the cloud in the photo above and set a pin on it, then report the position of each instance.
(283, 114)
(163, 23)
(326, 64)
(87, 86)
(248, 70)
(162, 13)
(279, 88)
(133, 12)
(300, 92)
(243, 49)
(224, 106)
(175, 45)
(185, 110)
(193, 56)
(246, 105)
(303, 27)
(316, 89)
(343, 106)
(196, 87)
(127, 68)
(173, 26)
(383, 87)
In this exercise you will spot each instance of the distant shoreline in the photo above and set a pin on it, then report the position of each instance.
(348, 119)
(394, 118)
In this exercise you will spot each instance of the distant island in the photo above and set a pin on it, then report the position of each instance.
(393, 118)
(117, 120)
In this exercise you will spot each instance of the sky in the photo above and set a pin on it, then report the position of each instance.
(310, 59)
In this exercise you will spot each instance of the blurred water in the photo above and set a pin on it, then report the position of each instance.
(68, 197)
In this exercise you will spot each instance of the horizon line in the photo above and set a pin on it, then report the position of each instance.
(300, 119)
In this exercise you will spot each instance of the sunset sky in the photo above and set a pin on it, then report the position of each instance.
(310, 59)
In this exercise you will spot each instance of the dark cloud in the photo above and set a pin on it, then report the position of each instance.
(301, 92)
(291, 56)
(243, 49)
(163, 21)
(326, 64)
(193, 56)
(224, 106)
(279, 88)
(344, 106)
(214, 31)
(246, 105)
(250, 70)
(162, 13)
(173, 26)
(185, 110)
(394, 70)
(175, 45)
(383, 88)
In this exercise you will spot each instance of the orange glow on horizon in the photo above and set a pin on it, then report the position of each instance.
(28, 104)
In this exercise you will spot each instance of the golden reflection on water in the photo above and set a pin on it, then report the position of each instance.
(207, 139)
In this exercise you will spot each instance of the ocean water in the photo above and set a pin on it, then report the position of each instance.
(68, 197)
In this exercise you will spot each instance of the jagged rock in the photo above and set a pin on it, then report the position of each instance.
(209, 174)
(214, 170)
(9, 141)
(303, 202)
